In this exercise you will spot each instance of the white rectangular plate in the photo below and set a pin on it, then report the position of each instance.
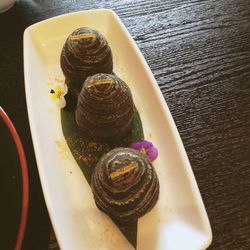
(179, 220)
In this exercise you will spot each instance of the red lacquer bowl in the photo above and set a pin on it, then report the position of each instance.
(22, 219)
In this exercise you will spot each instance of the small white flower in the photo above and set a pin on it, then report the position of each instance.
(57, 94)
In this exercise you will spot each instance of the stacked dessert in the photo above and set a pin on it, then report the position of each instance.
(124, 182)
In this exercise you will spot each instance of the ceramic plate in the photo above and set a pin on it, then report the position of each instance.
(179, 220)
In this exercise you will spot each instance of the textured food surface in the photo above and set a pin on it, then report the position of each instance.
(85, 53)
(125, 184)
(105, 107)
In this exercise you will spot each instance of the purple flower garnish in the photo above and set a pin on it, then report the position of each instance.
(147, 148)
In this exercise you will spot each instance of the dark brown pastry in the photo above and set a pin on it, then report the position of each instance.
(105, 107)
(125, 185)
(85, 53)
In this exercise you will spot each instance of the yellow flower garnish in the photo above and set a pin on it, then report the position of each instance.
(56, 92)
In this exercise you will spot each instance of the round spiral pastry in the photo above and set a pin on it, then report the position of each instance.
(85, 52)
(105, 107)
(125, 185)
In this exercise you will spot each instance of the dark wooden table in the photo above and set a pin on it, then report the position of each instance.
(199, 52)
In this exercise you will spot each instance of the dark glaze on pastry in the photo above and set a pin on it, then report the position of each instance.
(105, 107)
(125, 184)
(85, 52)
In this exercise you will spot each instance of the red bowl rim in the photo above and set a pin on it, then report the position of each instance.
(25, 179)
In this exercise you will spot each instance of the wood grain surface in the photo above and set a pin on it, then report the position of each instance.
(199, 53)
